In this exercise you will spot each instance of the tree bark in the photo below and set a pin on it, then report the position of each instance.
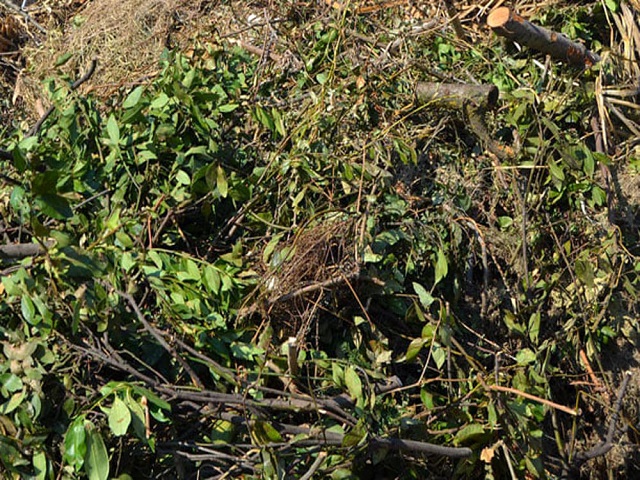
(507, 23)
(22, 250)
(455, 95)
(473, 101)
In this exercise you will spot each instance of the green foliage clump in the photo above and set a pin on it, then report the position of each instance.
(270, 271)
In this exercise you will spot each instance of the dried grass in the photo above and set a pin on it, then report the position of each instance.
(125, 36)
(322, 258)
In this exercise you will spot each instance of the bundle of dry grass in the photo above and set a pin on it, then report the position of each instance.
(125, 36)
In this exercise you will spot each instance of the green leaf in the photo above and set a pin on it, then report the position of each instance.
(612, 5)
(265, 433)
(264, 118)
(598, 196)
(75, 447)
(427, 398)
(160, 102)
(10, 382)
(113, 222)
(182, 178)
(229, 107)
(505, 222)
(212, 279)
(468, 433)
(62, 59)
(40, 466)
(119, 417)
(151, 397)
(426, 299)
(556, 170)
(221, 183)
(133, 98)
(534, 327)
(439, 356)
(442, 267)
(222, 431)
(353, 383)
(525, 356)
(190, 271)
(13, 403)
(138, 420)
(415, 347)
(28, 310)
(96, 460)
(113, 130)
(245, 351)
(54, 206)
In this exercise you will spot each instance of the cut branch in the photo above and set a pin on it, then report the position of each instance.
(23, 250)
(474, 101)
(506, 23)
(455, 95)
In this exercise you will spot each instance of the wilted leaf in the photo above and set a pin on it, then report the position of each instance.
(487, 454)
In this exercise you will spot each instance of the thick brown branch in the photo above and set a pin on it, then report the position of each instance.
(506, 23)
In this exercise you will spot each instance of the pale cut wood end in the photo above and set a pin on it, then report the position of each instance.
(499, 17)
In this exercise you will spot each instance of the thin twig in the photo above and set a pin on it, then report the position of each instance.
(159, 338)
(314, 466)
(36, 128)
(332, 282)
(544, 401)
(224, 372)
(28, 17)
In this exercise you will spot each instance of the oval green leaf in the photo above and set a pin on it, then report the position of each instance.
(119, 417)
(96, 460)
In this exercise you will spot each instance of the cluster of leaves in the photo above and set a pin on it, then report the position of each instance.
(169, 219)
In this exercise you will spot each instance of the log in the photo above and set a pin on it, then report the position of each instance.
(455, 95)
(507, 23)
